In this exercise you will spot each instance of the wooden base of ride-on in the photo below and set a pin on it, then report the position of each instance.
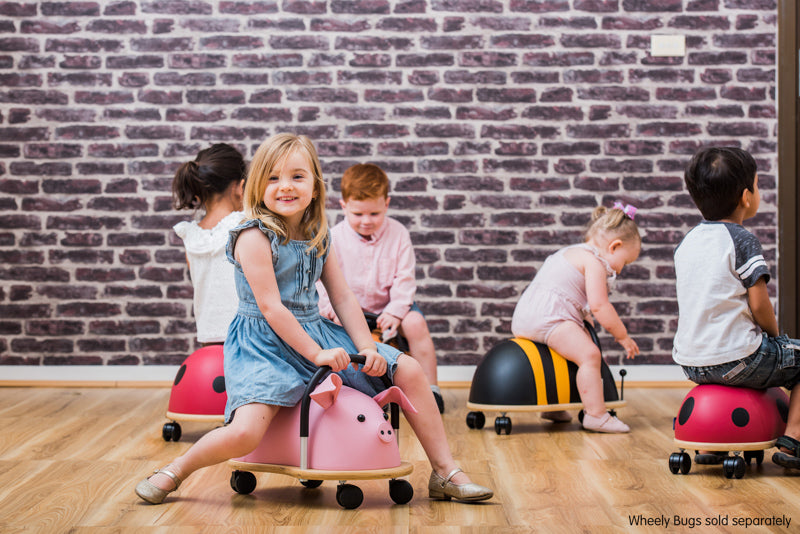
(348, 496)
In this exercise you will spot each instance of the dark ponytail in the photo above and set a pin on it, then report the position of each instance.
(211, 173)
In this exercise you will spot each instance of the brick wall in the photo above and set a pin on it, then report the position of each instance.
(502, 123)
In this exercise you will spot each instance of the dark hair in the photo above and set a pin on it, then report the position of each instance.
(716, 177)
(211, 173)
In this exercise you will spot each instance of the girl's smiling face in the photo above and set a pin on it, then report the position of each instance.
(290, 187)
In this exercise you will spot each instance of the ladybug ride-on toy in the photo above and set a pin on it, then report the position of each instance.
(519, 375)
(725, 419)
(198, 392)
(334, 433)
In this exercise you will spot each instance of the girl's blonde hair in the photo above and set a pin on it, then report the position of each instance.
(314, 224)
(614, 223)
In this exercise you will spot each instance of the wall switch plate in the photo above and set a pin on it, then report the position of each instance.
(667, 45)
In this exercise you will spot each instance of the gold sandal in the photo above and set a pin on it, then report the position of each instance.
(441, 488)
(151, 493)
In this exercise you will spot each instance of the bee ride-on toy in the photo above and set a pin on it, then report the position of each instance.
(519, 375)
(725, 419)
(198, 392)
(333, 433)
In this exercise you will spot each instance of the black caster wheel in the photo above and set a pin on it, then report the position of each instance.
(243, 482)
(680, 462)
(476, 420)
(349, 496)
(758, 456)
(502, 424)
(733, 467)
(171, 431)
(311, 483)
(400, 490)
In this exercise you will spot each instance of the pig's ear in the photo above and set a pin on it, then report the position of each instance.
(396, 395)
(325, 394)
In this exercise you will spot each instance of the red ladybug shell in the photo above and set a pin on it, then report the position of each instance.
(713, 413)
(199, 387)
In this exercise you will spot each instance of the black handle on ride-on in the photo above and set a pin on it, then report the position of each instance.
(305, 402)
(593, 333)
(596, 340)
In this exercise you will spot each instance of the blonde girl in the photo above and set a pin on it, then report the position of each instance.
(277, 339)
(573, 285)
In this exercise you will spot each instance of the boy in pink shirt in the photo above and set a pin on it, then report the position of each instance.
(377, 259)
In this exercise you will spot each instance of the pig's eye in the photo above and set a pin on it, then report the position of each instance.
(386, 416)
(361, 418)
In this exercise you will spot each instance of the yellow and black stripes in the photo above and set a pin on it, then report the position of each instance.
(554, 381)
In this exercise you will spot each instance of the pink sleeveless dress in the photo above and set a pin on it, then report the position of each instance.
(556, 294)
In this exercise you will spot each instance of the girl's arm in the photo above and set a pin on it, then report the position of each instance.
(602, 309)
(761, 307)
(253, 252)
(349, 312)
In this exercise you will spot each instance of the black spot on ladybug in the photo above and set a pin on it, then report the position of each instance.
(219, 384)
(181, 372)
(686, 411)
(361, 418)
(740, 417)
(783, 409)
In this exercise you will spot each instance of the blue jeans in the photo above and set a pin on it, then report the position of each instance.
(776, 363)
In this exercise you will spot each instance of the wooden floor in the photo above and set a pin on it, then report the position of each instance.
(70, 458)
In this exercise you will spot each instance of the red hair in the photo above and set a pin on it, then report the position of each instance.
(364, 181)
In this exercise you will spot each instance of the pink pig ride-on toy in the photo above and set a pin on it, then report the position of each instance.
(342, 435)
(726, 419)
(198, 392)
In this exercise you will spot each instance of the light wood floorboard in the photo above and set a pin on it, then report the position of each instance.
(70, 458)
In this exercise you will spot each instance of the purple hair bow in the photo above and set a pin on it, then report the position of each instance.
(627, 209)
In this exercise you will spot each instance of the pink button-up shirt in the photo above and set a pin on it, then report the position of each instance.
(380, 270)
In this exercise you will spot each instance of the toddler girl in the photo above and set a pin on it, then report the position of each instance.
(571, 286)
(278, 339)
(212, 182)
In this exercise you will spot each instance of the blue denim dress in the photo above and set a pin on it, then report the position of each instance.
(259, 366)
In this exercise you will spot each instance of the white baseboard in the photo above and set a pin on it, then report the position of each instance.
(88, 373)
(161, 373)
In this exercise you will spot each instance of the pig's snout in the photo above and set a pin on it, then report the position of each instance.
(386, 432)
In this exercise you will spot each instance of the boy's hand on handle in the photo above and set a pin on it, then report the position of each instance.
(375, 364)
(337, 359)
(388, 324)
(630, 346)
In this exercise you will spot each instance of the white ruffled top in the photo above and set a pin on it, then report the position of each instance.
(215, 298)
